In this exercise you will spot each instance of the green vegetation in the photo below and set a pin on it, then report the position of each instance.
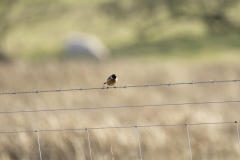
(36, 30)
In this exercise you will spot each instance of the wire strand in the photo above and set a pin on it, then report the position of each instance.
(115, 127)
(118, 107)
(115, 87)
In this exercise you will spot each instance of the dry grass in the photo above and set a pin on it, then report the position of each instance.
(208, 141)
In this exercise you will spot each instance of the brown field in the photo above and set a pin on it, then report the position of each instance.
(215, 142)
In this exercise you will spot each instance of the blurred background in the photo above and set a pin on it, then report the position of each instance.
(42, 30)
(64, 44)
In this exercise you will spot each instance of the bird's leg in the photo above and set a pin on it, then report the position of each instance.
(107, 87)
(115, 87)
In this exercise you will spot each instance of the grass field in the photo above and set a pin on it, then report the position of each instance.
(207, 141)
(174, 50)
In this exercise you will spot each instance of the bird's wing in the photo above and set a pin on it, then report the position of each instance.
(109, 78)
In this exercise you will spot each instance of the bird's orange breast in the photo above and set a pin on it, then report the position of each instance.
(111, 82)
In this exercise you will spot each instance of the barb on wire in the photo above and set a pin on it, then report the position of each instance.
(115, 107)
(115, 127)
(124, 87)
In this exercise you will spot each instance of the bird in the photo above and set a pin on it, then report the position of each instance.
(111, 81)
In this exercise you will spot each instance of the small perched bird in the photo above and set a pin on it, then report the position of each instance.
(111, 80)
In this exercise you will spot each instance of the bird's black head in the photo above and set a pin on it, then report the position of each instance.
(114, 76)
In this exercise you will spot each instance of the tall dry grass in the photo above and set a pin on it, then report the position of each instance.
(207, 141)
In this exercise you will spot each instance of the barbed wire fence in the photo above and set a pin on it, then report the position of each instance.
(136, 127)
(124, 87)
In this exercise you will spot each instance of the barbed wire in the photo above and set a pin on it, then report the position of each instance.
(117, 127)
(118, 107)
(124, 87)
(187, 125)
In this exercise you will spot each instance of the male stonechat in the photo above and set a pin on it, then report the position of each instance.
(111, 81)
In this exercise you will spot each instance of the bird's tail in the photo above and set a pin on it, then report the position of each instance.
(105, 83)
